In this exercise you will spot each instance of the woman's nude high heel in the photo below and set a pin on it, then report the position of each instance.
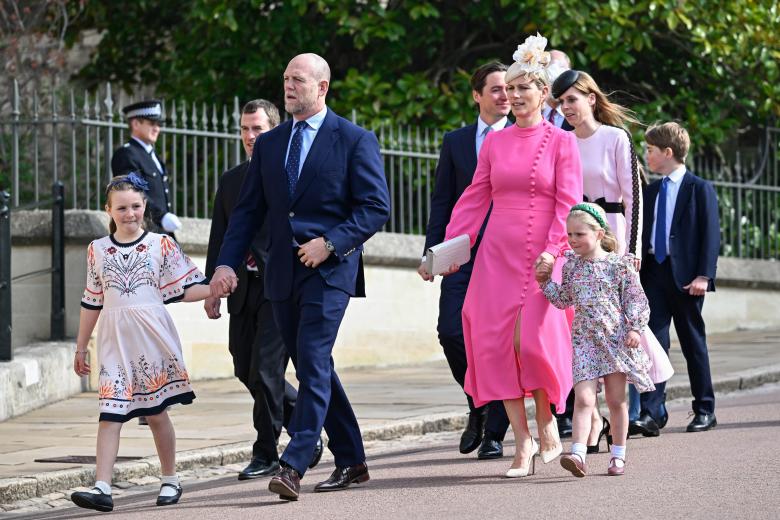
(550, 455)
(522, 471)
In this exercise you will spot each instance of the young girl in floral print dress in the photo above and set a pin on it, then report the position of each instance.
(611, 313)
(131, 274)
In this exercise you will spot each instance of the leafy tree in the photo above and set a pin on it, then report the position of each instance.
(710, 63)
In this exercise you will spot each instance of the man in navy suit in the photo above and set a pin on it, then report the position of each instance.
(258, 352)
(551, 111)
(680, 249)
(319, 182)
(454, 172)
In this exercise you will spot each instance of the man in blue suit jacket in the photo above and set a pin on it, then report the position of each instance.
(320, 183)
(457, 162)
(680, 250)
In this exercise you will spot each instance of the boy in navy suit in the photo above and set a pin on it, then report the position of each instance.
(680, 252)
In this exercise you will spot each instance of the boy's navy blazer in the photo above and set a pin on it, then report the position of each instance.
(694, 238)
(341, 194)
(454, 173)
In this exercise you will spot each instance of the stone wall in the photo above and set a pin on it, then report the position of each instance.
(396, 324)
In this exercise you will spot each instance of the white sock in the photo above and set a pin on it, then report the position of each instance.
(167, 491)
(579, 449)
(104, 487)
(619, 453)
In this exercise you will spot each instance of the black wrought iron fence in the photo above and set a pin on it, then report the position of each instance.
(56, 269)
(72, 139)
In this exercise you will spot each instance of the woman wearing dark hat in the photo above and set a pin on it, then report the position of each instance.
(611, 179)
(517, 344)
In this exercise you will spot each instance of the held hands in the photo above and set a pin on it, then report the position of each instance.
(543, 267)
(80, 365)
(313, 252)
(211, 306)
(632, 339)
(223, 283)
(698, 286)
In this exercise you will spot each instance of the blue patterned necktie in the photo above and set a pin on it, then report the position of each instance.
(294, 156)
(659, 247)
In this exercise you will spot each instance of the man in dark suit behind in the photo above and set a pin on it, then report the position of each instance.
(319, 182)
(680, 249)
(454, 172)
(258, 352)
(138, 155)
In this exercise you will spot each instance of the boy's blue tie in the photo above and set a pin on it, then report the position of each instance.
(659, 247)
(294, 156)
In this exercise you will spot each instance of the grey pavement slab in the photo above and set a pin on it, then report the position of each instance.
(387, 401)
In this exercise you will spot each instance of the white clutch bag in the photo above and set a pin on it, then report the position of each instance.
(439, 258)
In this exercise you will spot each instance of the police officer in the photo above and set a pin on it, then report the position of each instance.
(138, 155)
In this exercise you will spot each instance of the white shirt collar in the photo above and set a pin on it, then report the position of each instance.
(498, 125)
(677, 175)
(146, 146)
(317, 119)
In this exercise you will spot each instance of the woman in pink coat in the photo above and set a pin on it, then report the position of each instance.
(517, 343)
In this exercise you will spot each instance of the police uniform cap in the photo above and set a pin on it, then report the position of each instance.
(149, 109)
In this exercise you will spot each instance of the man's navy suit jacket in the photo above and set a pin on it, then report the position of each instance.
(341, 194)
(132, 157)
(694, 238)
(454, 173)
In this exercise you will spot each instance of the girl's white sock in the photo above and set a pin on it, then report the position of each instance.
(104, 488)
(619, 453)
(579, 449)
(167, 491)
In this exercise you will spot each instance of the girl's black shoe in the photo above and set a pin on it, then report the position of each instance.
(88, 500)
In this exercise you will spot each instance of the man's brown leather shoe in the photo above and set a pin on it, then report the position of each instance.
(341, 478)
(287, 484)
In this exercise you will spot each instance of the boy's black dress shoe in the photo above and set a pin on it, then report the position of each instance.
(472, 435)
(287, 484)
(259, 467)
(169, 500)
(491, 447)
(98, 501)
(317, 453)
(645, 425)
(341, 478)
(702, 422)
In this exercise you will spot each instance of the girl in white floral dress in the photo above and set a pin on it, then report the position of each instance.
(131, 274)
(611, 313)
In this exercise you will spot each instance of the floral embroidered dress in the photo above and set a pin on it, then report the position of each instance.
(608, 302)
(141, 367)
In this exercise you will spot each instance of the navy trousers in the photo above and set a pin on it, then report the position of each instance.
(450, 327)
(668, 303)
(309, 321)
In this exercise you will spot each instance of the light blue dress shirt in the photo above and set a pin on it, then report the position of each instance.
(482, 126)
(557, 118)
(309, 133)
(672, 189)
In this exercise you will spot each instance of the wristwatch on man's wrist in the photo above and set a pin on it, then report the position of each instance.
(329, 245)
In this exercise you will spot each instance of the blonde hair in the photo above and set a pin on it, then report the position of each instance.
(121, 183)
(670, 135)
(604, 111)
(609, 242)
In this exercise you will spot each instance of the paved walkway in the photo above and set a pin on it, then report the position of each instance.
(383, 398)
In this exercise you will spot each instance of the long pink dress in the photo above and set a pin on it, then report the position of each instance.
(533, 177)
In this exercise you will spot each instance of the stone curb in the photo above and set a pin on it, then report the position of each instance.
(40, 484)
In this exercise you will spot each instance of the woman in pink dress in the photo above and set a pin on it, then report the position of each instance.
(517, 343)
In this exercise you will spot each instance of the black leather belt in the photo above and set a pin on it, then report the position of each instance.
(609, 207)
